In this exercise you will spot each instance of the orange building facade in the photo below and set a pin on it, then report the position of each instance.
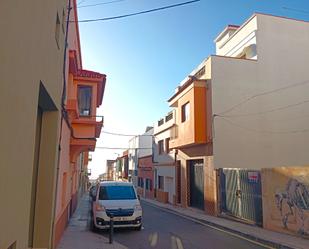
(80, 128)
(191, 138)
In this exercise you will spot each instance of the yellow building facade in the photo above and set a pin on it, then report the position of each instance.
(50, 123)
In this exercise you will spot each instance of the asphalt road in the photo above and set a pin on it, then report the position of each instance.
(165, 230)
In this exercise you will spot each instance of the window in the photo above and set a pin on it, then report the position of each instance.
(148, 184)
(185, 112)
(57, 31)
(167, 145)
(141, 182)
(161, 122)
(161, 148)
(84, 100)
(161, 182)
(117, 193)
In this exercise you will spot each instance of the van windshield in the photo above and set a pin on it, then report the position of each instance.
(117, 193)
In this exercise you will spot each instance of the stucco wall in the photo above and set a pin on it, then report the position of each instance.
(242, 37)
(258, 127)
(29, 54)
(64, 167)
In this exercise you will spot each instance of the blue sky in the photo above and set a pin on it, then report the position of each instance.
(145, 57)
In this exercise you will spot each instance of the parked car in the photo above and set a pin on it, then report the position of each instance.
(117, 199)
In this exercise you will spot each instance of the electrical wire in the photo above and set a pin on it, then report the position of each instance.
(80, 2)
(295, 10)
(263, 131)
(263, 94)
(137, 13)
(98, 4)
(122, 148)
(125, 135)
(264, 112)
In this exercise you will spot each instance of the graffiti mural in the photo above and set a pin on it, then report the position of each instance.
(286, 200)
(296, 196)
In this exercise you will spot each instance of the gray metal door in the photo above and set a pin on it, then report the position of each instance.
(196, 184)
(241, 194)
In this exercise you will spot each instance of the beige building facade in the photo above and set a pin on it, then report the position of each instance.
(256, 120)
(259, 107)
(259, 84)
(31, 87)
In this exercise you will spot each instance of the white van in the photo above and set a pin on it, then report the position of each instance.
(120, 200)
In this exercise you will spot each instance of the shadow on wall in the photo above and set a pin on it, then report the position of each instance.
(286, 200)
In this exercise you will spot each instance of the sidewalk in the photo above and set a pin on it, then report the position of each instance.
(273, 239)
(77, 234)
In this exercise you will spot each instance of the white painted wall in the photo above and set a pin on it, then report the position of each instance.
(243, 37)
(251, 135)
(135, 144)
(163, 132)
(167, 171)
(145, 141)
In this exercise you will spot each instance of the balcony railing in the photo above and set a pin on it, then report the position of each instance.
(97, 118)
(169, 116)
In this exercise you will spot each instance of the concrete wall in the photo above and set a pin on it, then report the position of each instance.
(29, 55)
(133, 153)
(241, 38)
(258, 127)
(286, 200)
(167, 172)
(64, 185)
(145, 141)
(163, 132)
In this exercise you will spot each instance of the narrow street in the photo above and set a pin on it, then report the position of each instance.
(166, 230)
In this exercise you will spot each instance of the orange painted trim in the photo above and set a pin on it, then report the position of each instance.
(85, 121)
(98, 129)
(82, 142)
(185, 86)
(73, 67)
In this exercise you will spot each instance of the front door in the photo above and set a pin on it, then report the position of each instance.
(196, 183)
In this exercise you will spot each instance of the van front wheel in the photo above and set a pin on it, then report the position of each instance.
(93, 228)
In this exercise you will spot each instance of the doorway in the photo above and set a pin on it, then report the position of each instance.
(196, 172)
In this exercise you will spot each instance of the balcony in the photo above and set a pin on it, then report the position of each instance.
(87, 126)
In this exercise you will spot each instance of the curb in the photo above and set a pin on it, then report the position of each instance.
(220, 227)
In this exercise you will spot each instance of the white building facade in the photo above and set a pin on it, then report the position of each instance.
(164, 160)
(139, 146)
